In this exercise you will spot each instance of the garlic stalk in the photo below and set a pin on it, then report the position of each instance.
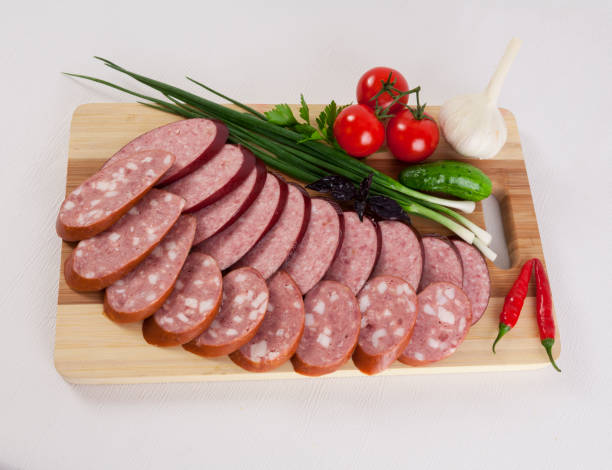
(472, 124)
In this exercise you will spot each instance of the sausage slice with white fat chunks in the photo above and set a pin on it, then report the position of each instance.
(331, 329)
(319, 247)
(103, 198)
(99, 261)
(442, 262)
(245, 299)
(443, 321)
(192, 141)
(231, 244)
(221, 214)
(401, 253)
(359, 252)
(142, 291)
(191, 307)
(278, 336)
(388, 313)
(476, 280)
(220, 175)
(277, 245)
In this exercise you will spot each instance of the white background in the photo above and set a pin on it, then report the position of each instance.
(559, 90)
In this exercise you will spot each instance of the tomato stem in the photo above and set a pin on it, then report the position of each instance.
(388, 86)
(419, 111)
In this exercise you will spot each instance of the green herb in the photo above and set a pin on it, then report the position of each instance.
(304, 111)
(281, 115)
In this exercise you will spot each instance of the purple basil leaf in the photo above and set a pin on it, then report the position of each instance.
(387, 208)
(341, 188)
(360, 207)
(364, 187)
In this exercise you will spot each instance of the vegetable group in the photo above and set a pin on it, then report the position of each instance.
(544, 309)
(285, 150)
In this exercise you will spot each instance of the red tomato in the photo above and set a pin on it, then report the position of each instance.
(410, 139)
(358, 131)
(370, 83)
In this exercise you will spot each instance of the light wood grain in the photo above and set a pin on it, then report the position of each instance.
(89, 348)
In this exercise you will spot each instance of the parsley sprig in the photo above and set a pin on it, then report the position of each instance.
(282, 115)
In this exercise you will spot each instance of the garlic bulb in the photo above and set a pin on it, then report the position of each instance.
(472, 124)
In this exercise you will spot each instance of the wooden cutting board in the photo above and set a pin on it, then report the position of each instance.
(89, 348)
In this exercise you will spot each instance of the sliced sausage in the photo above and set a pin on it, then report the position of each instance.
(245, 299)
(442, 324)
(442, 262)
(191, 307)
(277, 245)
(279, 334)
(142, 291)
(221, 214)
(231, 244)
(103, 198)
(319, 247)
(401, 254)
(219, 176)
(192, 141)
(388, 312)
(331, 329)
(476, 280)
(359, 252)
(99, 261)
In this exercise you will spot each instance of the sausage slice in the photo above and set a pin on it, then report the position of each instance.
(319, 247)
(99, 261)
(388, 312)
(142, 291)
(359, 252)
(245, 299)
(277, 245)
(401, 253)
(231, 244)
(476, 280)
(278, 336)
(192, 141)
(443, 321)
(331, 329)
(442, 262)
(191, 307)
(103, 198)
(217, 177)
(221, 214)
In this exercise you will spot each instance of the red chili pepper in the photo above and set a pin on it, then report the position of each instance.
(546, 322)
(514, 302)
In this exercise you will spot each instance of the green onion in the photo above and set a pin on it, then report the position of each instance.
(479, 232)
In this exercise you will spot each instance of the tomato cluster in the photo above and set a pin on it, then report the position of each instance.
(383, 93)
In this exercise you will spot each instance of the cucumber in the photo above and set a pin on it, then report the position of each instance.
(458, 179)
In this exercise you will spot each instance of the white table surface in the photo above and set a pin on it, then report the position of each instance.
(559, 90)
